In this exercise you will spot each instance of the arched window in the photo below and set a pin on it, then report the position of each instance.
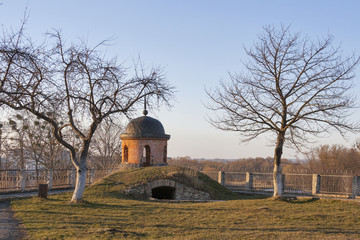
(165, 154)
(146, 156)
(126, 154)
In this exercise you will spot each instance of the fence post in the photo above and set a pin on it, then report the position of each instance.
(43, 188)
(316, 183)
(22, 180)
(221, 178)
(249, 181)
(283, 183)
(70, 177)
(355, 186)
(50, 176)
(92, 175)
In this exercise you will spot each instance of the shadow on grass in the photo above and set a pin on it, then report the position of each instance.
(97, 205)
(330, 230)
(300, 229)
(252, 196)
(295, 200)
(104, 232)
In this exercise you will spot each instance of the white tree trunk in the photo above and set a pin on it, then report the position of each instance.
(79, 185)
(277, 174)
(278, 184)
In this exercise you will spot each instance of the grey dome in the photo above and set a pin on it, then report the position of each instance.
(144, 127)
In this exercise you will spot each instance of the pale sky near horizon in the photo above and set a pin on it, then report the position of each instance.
(199, 42)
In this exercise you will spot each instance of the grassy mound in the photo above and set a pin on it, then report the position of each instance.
(114, 185)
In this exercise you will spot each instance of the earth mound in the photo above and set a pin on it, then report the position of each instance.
(167, 182)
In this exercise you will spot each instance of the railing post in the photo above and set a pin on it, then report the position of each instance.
(355, 186)
(221, 178)
(70, 177)
(43, 188)
(50, 176)
(316, 183)
(249, 181)
(283, 183)
(92, 175)
(22, 180)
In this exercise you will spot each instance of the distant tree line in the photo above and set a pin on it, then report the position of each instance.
(335, 158)
(325, 159)
(27, 142)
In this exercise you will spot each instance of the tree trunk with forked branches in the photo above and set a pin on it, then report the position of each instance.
(292, 89)
(73, 88)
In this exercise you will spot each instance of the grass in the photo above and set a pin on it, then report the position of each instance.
(115, 184)
(106, 215)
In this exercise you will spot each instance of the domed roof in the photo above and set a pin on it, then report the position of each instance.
(144, 127)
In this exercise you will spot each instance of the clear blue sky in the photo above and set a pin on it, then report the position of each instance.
(198, 42)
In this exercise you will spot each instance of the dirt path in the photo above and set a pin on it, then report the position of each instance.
(9, 226)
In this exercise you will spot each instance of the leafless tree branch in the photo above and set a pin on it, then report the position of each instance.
(293, 88)
(72, 87)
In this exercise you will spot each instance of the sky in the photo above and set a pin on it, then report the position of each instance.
(198, 42)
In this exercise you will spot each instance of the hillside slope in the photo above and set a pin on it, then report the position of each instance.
(115, 184)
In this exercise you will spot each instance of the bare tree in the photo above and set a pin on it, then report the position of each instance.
(106, 146)
(357, 145)
(45, 150)
(292, 87)
(13, 144)
(1, 143)
(325, 158)
(73, 88)
(29, 142)
(16, 140)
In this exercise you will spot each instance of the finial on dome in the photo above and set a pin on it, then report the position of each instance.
(145, 112)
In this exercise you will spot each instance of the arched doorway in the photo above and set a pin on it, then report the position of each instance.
(146, 156)
(126, 154)
(164, 192)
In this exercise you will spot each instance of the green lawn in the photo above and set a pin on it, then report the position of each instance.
(110, 217)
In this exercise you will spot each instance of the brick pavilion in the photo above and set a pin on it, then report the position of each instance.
(144, 143)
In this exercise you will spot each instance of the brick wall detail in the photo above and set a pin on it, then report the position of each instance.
(136, 148)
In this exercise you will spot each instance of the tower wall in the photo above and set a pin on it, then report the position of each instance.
(136, 147)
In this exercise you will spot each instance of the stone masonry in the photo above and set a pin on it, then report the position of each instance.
(182, 192)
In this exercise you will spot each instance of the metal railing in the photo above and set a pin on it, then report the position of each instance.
(336, 184)
(298, 183)
(293, 183)
(27, 180)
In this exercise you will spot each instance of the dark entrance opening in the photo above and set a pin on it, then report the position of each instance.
(163, 192)
(146, 156)
(126, 154)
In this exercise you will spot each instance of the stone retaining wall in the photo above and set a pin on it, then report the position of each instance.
(182, 192)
